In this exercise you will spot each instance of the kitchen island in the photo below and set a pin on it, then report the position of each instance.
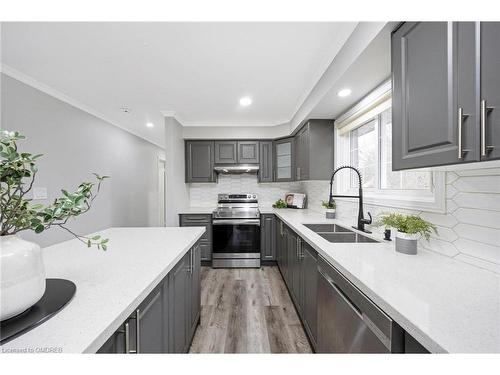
(110, 285)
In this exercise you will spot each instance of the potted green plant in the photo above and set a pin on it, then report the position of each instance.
(280, 203)
(331, 207)
(410, 228)
(22, 279)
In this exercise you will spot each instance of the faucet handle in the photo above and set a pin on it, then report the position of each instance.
(368, 221)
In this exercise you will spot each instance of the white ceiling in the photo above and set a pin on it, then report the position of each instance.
(369, 70)
(196, 70)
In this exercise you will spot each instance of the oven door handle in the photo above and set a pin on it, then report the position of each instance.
(237, 222)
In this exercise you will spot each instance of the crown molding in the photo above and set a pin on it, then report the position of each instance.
(46, 89)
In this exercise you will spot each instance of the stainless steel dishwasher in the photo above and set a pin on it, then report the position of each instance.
(348, 322)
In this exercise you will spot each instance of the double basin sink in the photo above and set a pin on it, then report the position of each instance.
(336, 233)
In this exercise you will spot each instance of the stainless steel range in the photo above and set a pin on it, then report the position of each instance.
(236, 231)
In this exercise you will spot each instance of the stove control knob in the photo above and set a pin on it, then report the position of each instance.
(254, 196)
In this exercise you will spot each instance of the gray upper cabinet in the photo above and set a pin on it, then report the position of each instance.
(314, 151)
(490, 89)
(266, 167)
(268, 237)
(248, 152)
(446, 93)
(284, 160)
(226, 152)
(426, 70)
(200, 161)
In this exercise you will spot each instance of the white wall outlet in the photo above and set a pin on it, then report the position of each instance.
(39, 193)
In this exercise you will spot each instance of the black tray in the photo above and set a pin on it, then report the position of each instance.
(58, 293)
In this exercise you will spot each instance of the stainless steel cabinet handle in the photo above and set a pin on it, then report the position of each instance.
(137, 330)
(461, 117)
(127, 338)
(483, 114)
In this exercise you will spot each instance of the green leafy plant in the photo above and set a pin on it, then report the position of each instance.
(280, 203)
(329, 205)
(409, 224)
(17, 175)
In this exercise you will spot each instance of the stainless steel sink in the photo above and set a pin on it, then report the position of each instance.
(337, 233)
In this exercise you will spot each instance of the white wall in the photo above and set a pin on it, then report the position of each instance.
(177, 193)
(75, 144)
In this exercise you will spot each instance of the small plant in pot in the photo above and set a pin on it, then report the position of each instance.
(22, 273)
(410, 228)
(331, 207)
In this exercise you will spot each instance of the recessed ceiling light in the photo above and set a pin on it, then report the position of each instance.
(150, 125)
(245, 101)
(344, 92)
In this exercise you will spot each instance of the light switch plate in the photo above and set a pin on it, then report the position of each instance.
(39, 193)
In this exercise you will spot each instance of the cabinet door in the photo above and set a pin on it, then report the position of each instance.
(226, 152)
(194, 290)
(178, 306)
(425, 95)
(266, 170)
(302, 154)
(490, 89)
(152, 323)
(200, 161)
(268, 237)
(284, 160)
(310, 289)
(248, 152)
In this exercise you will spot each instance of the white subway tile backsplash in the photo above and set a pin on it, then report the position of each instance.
(468, 232)
(481, 234)
(478, 201)
(484, 218)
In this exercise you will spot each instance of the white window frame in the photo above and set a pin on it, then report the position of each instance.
(433, 200)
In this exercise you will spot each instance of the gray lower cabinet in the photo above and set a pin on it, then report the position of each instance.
(309, 258)
(314, 151)
(200, 161)
(226, 152)
(266, 163)
(166, 320)
(248, 152)
(442, 113)
(200, 220)
(268, 237)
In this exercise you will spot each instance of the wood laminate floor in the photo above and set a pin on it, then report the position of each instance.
(247, 311)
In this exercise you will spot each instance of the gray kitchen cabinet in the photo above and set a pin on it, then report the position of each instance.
(115, 344)
(266, 167)
(200, 220)
(446, 93)
(284, 159)
(179, 313)
(314, 151)
(309, 258)
(151, 322)
(200, 161)
(280, 246)
(490, 89)
(194, 289)
(226, 152)
(268, 237)
(248, 152)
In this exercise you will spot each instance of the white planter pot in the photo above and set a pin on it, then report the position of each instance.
(330, 213)
(22, 275)
(406, 243)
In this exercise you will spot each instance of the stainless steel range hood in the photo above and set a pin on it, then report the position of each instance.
(236, 168)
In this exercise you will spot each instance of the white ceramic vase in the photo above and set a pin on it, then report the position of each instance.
(22, 275)
(330, 213)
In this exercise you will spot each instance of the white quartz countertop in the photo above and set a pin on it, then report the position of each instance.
(448, 306)
(110, 285)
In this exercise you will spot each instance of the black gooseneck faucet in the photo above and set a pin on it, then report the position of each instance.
(361, 219)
